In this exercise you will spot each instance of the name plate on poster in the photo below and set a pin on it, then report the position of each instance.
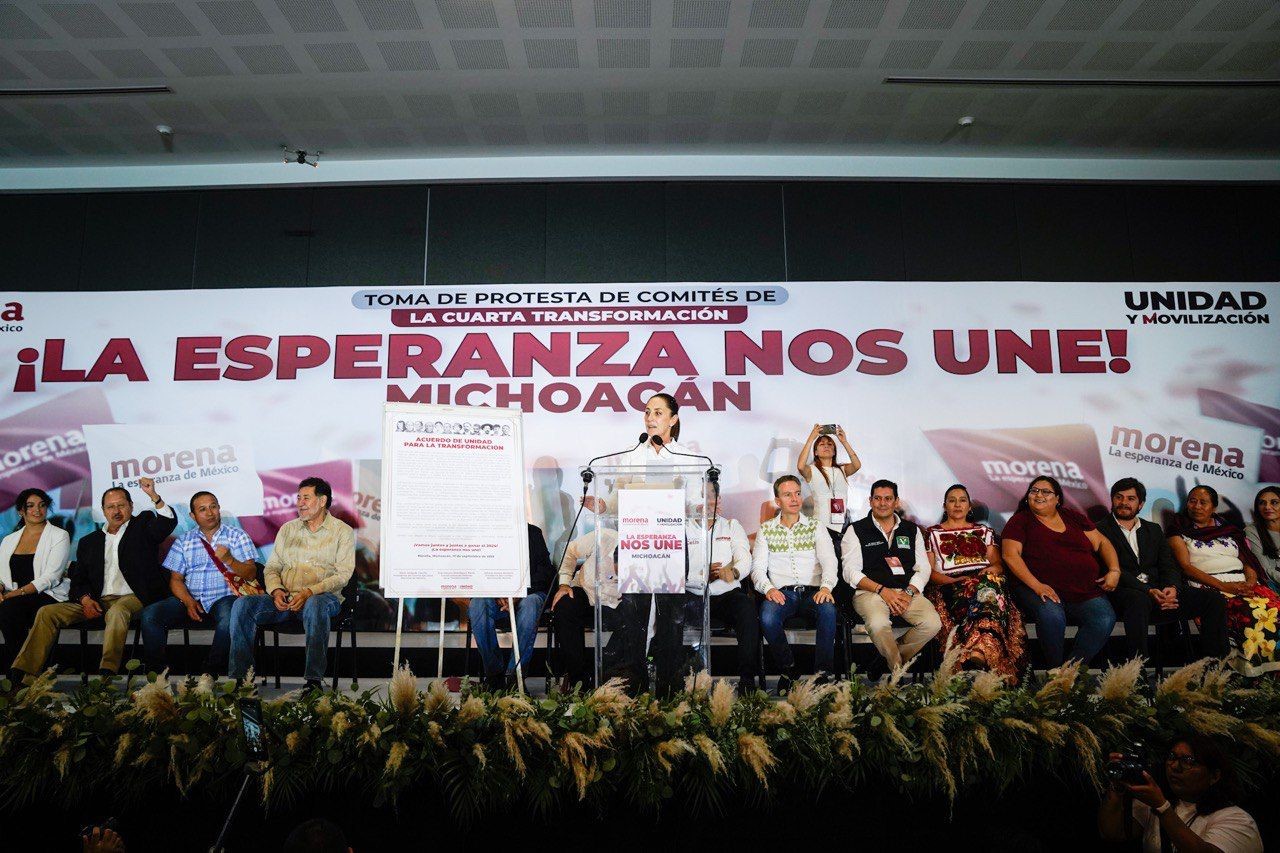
(652, 552)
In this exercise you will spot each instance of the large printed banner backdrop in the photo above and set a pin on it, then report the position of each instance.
(988, 384)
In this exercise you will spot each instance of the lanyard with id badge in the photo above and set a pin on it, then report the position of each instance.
(901, 543)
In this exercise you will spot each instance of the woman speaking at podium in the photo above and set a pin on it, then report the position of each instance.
(661, 422)
(662, 425)
(659, 449)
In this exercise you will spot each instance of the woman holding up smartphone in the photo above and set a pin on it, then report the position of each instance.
(827, 478)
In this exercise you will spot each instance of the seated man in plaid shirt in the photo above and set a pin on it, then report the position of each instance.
(207, 567)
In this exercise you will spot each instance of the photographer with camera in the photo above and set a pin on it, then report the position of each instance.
(1197, 814)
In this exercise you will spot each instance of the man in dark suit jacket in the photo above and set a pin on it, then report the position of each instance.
(117, 572)
(1151, 587)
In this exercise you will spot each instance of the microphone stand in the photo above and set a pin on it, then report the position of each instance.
(713, 473)
(713, 476)
(587, 476)
(250, 773)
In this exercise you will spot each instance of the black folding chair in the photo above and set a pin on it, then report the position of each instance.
(1168, 633)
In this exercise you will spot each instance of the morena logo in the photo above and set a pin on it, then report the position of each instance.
(11, 317)
(1032, 467)
(44, 450)
(1019, 471)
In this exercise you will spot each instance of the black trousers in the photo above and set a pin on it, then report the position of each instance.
(623, 655)
(669, 656)
(741, 613)
(1138, 611)
(17, 615)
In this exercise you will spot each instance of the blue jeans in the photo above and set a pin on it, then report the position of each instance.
(1094, 620)
(252, 611)
(168, 613)
(484, 614)
(800, 603)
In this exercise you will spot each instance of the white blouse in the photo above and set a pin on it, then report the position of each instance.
(1217, 557)
(1230, 829)
(666, 456)
(823, 494)
(634, 463)
(52, 553)
(1271, 565)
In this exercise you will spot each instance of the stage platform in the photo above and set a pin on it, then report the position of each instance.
(421, 650)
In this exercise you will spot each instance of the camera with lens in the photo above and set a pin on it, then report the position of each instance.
(1128, 768)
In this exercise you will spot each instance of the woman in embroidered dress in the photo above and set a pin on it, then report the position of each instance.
(1214, 553)
(968, 589)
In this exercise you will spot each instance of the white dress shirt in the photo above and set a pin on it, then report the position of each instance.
(851, 556)
(666, 456)
(584, 549)
(799, 555)
(729, 547)
(113, 582)
(1130, 535)
(634, 462)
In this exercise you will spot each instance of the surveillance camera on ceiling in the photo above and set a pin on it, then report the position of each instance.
(301, 156)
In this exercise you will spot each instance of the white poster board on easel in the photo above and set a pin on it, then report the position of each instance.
(453, 504)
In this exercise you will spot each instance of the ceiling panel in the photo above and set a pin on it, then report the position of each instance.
(543, 14)
(415, 77)
(81, 21)
(408, 55)
(311, 16)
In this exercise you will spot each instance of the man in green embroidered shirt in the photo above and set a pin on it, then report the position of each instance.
(313, 558)
(793, 565)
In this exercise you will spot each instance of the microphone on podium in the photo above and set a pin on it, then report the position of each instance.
(713, 473)
(588, 475)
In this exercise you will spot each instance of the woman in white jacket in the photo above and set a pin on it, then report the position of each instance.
(33, 570)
